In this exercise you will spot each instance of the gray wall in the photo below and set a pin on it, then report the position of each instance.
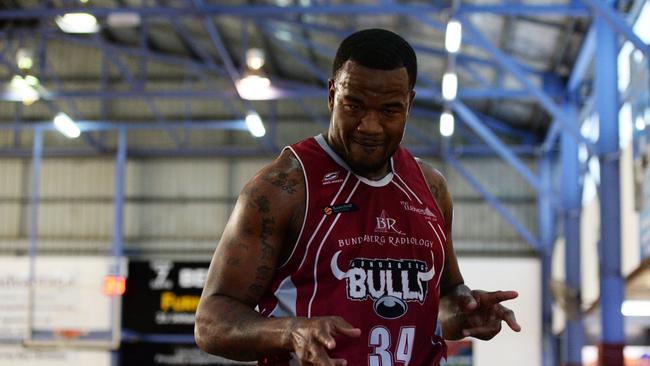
(178, 207)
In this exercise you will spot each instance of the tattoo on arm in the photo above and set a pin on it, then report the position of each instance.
(283, 181)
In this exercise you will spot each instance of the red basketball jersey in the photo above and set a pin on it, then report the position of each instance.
(369, 251)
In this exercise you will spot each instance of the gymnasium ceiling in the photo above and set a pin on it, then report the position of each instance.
(170, 64)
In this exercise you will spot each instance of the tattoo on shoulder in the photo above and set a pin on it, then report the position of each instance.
(283, 181)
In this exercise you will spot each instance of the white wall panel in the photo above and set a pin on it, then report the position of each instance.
(10, 215)
(11, 177)
(173, 220)
(67, 219)
(177, 178)
(524, 276)
(77, 178)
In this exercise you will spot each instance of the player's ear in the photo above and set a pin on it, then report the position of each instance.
(411, 97)
(331, 91)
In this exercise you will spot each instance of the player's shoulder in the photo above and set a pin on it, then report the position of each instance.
(282, 177)
(431, 174)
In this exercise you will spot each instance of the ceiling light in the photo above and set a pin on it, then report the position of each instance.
(446, 124)
(449, 85)
(77, 23)
(453, 36)
(21, 89)
(66, 125)
(639, 123)
(253, 87)
(24, 58)
(123, 20)
(636, 308)
(255, 125)
(255, 58)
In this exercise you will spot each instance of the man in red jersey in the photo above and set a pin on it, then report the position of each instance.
(339, 252)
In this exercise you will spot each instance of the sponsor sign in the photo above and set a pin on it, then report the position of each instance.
(67, 294)
(15, 355)
(162, 296)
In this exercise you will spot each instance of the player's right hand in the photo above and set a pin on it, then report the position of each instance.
(311, 338)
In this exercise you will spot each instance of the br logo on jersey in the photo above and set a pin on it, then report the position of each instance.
(386, 224)
(389, 283)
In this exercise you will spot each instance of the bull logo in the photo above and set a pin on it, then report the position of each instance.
(389, 283)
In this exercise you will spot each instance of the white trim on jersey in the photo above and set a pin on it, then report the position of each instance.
(442, 250)
(402, 189)
(287, 296)
(442, 232)
(313, 296)
(409, 188)
(322, 220)
(304, 219)
(320, 139)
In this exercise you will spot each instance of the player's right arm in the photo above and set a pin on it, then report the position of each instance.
(258, 237)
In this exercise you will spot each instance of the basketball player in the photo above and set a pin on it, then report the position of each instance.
(339, 252)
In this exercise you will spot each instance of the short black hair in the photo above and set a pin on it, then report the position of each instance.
(377, 49)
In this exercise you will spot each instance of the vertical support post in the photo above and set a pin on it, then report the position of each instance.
(572, 205)
(546, 216)
(37, 155)
(611, 282)
(117, 247)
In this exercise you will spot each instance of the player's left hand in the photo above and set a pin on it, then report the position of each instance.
(484, 313)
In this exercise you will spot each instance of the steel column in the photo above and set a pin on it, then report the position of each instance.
(572, 206)
(546, 219)
(611, 281)
(117, 248)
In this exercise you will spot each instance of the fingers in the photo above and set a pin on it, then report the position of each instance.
(509, 317)
(345, 328)
(491, 298)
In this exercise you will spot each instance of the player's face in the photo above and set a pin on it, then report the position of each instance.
(369, 110)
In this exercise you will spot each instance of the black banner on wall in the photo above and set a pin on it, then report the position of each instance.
(162, 296)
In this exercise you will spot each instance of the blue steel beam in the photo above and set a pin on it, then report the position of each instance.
(569, 10)
(265, 11)
(583, 61)
(117, 248)
(494, 202)
(468, 117)
(544, 99)
(84, 125)
(199, 68)
(462, 59)
(546, 223)
(217, 42)
(48, 103)
(572, 207)
(611, 282)
(36, 154)
(313, 69)
(150, 103)
(604, 10)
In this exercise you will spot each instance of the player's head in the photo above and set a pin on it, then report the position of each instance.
(370, 94)
(377, 49)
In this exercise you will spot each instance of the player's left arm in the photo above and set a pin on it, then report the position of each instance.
(464, 312)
